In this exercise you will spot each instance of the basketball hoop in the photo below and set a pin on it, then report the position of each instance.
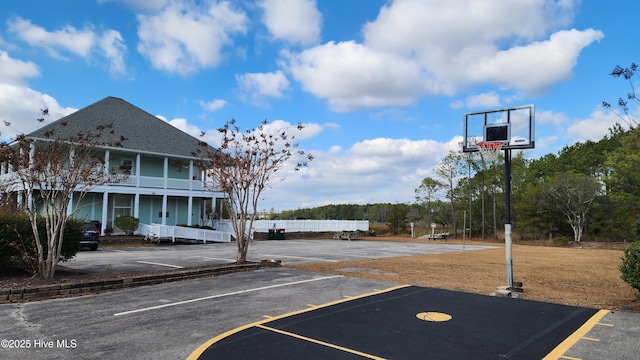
(490, 150)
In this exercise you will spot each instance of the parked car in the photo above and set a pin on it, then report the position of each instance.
(90, 235)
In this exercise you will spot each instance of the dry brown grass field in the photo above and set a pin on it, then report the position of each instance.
(582, 275)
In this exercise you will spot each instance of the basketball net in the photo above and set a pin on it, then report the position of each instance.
(489, 150)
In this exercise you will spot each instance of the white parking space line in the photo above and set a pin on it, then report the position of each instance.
(299, 257)
(227, 294)
(160, 264)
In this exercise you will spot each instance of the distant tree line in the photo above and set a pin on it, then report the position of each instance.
(587, 189)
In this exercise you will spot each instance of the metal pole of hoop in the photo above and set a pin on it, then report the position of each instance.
(490, 152)
(507, 219)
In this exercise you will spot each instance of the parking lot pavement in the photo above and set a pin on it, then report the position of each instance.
(162, 257)
(170, 321)
(166, 321)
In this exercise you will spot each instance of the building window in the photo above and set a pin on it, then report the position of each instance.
(125, 166)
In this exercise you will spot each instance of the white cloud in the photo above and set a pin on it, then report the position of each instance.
(334, 150)
(13, 71)
(83, 43)
(78, 42)
(21, 106)
(352, 76)
(419, 47)
(595, 127)
(183, 124)
(183, 37)
(484, 101)
(261, 85)
(550, 117)
(371, 171)
(440, 27)
(112, 46)
(308, 130)
(292, 21)
(469, 42)
(213, 105)
(537, 66)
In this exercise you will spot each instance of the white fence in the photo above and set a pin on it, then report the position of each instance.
(182, 232)
(311, 225)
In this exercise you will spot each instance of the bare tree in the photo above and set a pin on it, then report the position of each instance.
(243, 167)
(52, 175)
(425, 195)
(630, 74)
(448, 173)
(572, 195)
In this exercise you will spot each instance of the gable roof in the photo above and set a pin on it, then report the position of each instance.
(143, 131)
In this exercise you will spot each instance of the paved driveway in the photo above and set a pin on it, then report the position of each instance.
(288, 251)
(171, 321)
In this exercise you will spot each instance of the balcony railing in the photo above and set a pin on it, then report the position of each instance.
(144, 181)
(157, 182)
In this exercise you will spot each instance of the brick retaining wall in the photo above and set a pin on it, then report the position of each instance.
(43, 292)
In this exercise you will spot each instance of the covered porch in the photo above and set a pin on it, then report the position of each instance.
(166, 210)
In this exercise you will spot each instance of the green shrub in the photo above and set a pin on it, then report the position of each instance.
(636, 230)
(630, 267)
(73, 231)
(128, 224)
(17, 241)
(560, 241)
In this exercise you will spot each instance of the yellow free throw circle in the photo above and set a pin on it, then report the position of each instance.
(433, 316)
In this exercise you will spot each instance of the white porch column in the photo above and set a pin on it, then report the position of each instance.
(190, 177)
(105, 209)
(106, 167)
(136, 206)
(166, 172)
(164, 207)
(137, 170)
(190, 211)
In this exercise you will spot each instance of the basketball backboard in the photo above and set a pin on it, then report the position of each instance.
(514, 127)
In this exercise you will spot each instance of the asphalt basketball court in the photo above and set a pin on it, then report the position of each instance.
(409, 322)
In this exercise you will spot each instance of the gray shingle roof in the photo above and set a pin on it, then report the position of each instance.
(144, 132)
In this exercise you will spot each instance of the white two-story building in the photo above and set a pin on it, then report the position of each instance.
(153, 176)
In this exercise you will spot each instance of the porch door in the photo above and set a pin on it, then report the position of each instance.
(122, 206)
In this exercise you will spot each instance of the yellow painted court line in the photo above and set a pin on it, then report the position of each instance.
(603, 324)
(333, 346)
(197, 352)
(559, 351)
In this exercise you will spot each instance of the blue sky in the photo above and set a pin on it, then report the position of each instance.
(382, 86)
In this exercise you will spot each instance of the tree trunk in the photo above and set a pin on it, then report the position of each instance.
(495, 218)
(483, 209)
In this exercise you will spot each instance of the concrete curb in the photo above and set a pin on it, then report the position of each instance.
(43, 292)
